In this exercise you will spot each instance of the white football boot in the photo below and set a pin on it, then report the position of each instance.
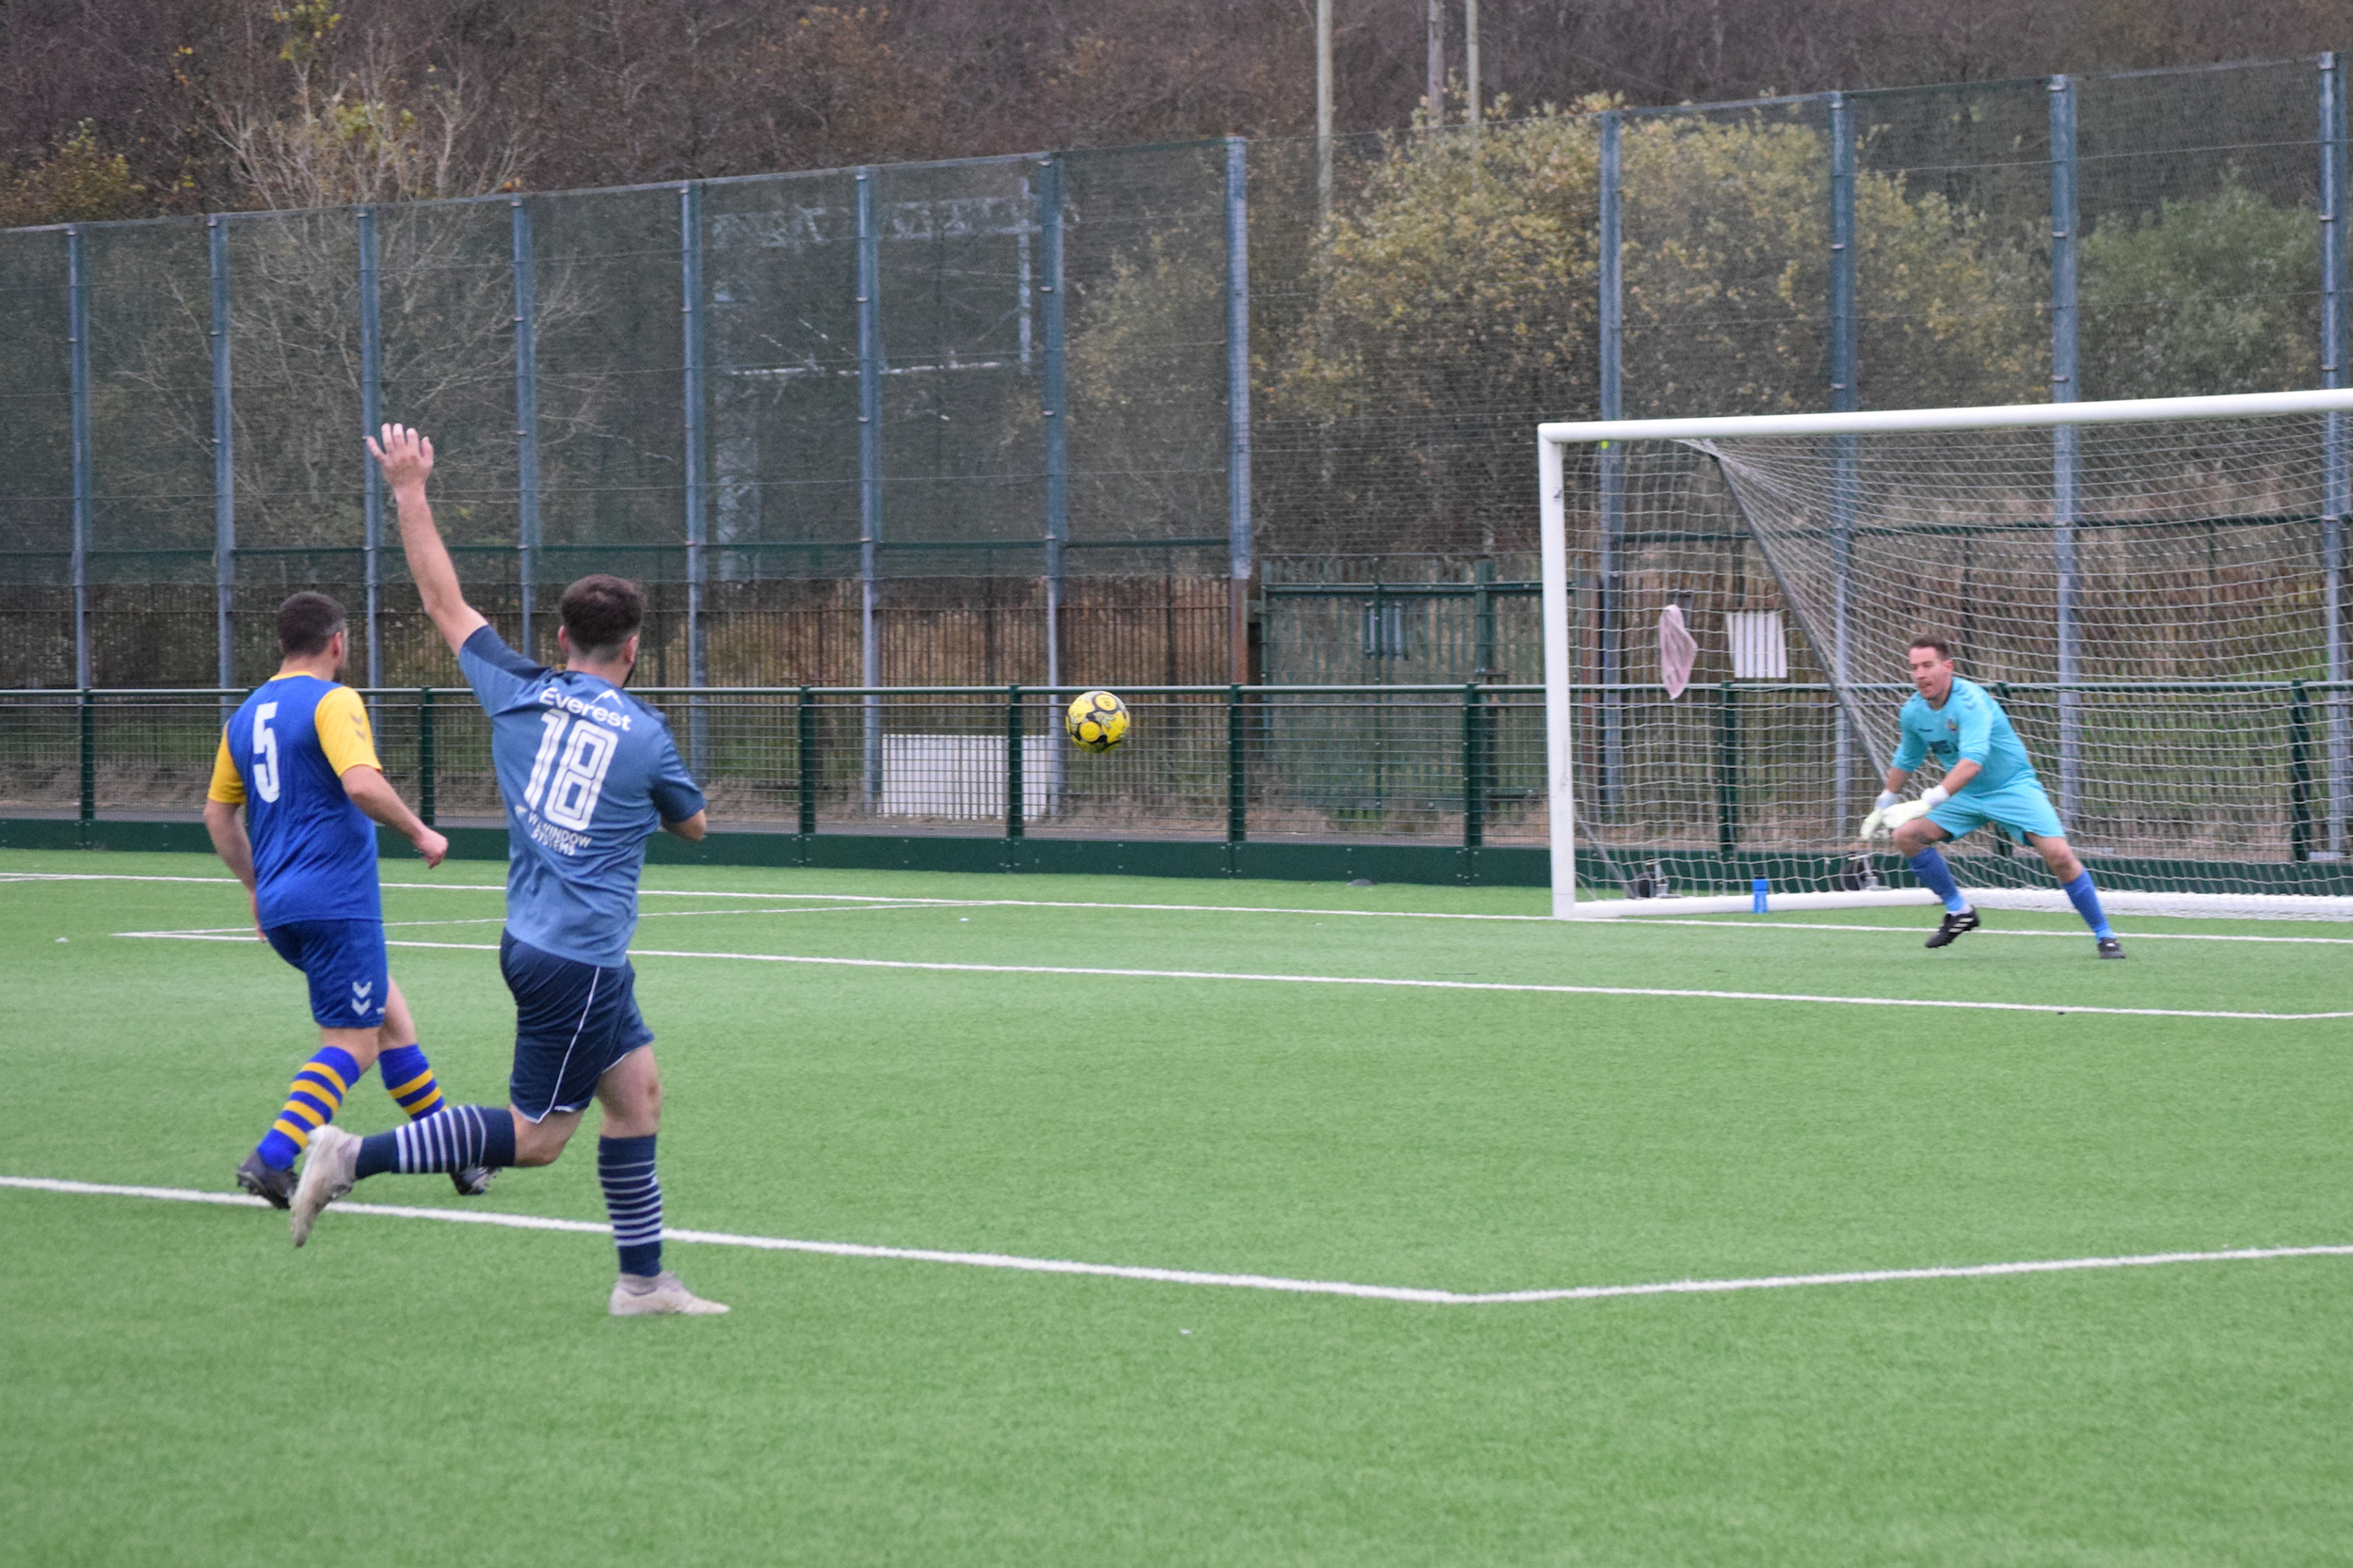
(328, 1171)
(639, 1296)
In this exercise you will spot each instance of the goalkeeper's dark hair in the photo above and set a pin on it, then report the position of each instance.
(306, 622)
(600, 613)
(1936, 640)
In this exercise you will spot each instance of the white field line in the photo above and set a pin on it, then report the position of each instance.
(2078, 935)
(1194, 1276)
(2061, 1008)
(194, 932)
(880, 900)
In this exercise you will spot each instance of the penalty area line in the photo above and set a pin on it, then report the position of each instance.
(1200, 1277)
(1381, 981)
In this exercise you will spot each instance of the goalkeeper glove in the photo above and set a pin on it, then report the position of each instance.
(1890, 814)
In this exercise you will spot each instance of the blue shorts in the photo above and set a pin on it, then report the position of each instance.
(573, 1021)
(344, 960)
(2020, 806)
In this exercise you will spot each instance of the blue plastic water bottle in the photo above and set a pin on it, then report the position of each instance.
(1758, 890)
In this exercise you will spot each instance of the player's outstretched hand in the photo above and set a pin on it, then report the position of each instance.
(1876, 825)
(433, 846)
(1902, 812)
(405, 456)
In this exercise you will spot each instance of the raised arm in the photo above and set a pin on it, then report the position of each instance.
(407, 458)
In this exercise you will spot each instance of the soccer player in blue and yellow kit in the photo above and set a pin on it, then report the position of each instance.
(1988, 778)
(299, 759)
(588, 773)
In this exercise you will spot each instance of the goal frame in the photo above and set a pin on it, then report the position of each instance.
(1552, 439)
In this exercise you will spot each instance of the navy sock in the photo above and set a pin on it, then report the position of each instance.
(633, 1197)
(1937, 877)
(457, 1139)
(2087, 902)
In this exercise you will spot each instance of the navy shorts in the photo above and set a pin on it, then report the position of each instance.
(573, 1021)
(344, 960)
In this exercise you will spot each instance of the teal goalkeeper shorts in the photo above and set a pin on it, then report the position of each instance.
(2020, 806)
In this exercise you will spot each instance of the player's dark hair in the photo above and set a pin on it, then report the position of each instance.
(306, 622)
(1936, 640)
(600, 613)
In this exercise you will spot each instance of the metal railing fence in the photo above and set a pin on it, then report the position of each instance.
(2214, 771)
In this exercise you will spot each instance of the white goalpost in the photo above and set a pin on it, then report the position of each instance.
(2154, 590)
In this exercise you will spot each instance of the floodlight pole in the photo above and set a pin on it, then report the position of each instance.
(224, 460)
(1434, 37)
(1323, 110)
(1470, 62)
(2064, 457)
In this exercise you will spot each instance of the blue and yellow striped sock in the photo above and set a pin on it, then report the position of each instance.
(408, 1079)
(317, 1092)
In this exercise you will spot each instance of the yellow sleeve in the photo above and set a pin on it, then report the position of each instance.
(228, 784)
(342, 722)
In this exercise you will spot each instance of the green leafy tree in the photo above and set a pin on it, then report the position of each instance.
(79, 182)
(1727, 280)
(2207, 295)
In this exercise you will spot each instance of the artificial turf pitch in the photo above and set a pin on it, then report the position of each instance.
(179, 1385)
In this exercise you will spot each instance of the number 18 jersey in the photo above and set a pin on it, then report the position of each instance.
(587, 772)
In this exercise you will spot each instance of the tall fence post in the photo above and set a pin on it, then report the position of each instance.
(89, 749)
(805, 761)
(1474, 771)
(1609, 461)
(1013, 763)
(696, 405)
(1238, 522)
(1237, 774)
(526, 417)
(2299, 772)
(427, 761)
(224, 460)
(1845, 396)
(1055, 395)
(371, 416)
(2064, 389)
(870, 496)
(77, 350)
(2336, 449)
(1727, 770)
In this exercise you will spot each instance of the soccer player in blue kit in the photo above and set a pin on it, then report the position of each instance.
(1988, 778)
(588, 773)
(294, 784)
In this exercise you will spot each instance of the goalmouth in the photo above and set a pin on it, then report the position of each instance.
(2154, 590)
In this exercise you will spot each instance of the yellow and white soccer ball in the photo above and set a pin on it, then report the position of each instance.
(1096, 721)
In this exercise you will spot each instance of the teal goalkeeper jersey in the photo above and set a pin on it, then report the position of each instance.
(1970, 726)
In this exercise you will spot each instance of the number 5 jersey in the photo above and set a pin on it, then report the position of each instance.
(282, 757)
(589, 772)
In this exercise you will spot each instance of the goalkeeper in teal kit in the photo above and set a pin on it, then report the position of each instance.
(1988, 778)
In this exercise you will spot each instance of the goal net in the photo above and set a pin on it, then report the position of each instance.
(2154, 590)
